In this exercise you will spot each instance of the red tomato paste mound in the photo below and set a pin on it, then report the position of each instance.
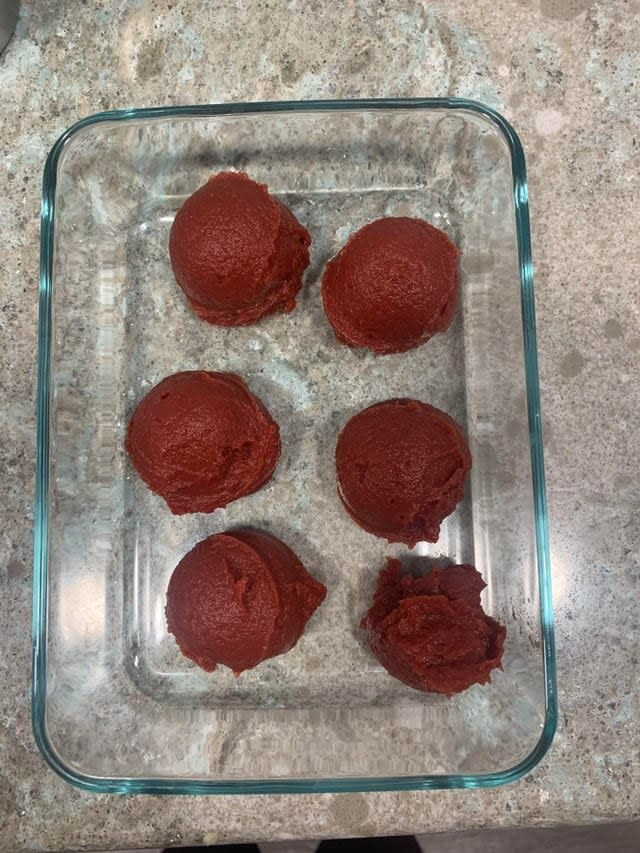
(202, 440)
(237, 252)
(239, 598)
(392, 286)
(431, 632)
(401, 466)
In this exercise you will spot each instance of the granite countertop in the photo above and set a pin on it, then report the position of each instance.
(564, 72)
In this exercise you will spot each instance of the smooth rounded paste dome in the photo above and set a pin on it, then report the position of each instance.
(239, 598)
(401, 466)
(431, 632)
(201, 439)
(392, 286)
(237, 252)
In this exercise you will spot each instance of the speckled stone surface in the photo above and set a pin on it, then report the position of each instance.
(565, 74)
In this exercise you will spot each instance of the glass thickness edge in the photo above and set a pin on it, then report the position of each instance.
(40, 591)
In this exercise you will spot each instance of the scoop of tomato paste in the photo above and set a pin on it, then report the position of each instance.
(238, 598)
(431, 632)
(401, 467)
(392, 286)
(201, 440)
(237, 252)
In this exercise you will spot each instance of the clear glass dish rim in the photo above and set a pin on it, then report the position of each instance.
(99, 784)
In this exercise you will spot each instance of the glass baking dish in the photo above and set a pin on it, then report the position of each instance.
(115, 706)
